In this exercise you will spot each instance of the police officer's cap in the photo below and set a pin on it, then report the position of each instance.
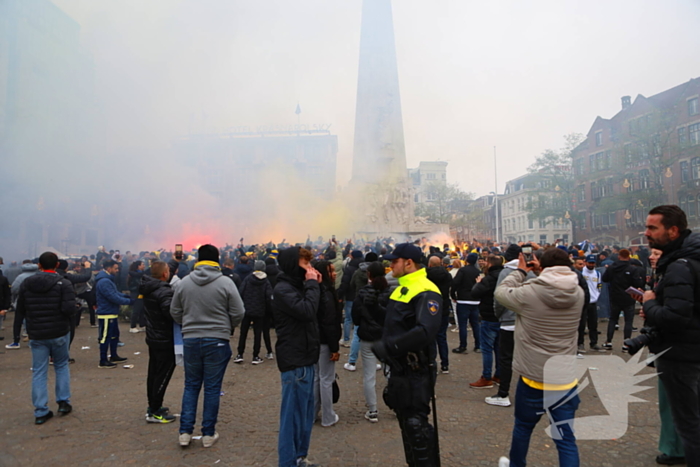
(406, 251)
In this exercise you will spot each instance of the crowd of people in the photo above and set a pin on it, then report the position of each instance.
(391, 304)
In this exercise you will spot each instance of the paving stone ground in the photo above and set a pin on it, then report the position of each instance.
(107, 426)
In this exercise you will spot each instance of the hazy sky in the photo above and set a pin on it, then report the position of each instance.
(513, 74)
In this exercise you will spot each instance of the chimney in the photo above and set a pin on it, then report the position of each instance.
(626, 102)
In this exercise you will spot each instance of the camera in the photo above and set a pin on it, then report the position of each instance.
(647, 335)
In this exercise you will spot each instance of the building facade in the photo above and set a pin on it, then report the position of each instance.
(518, 225)
(426, 176)
(646, 155)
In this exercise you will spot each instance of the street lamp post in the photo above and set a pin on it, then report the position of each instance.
(495, 194)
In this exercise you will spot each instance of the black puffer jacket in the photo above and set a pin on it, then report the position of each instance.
(346, 291)
(157, 296)
(5, 293)
(483, 291)
(370, 320)
(47, 301)
(330, 317)
(256, 293)
(622, 275)
(294, 307)
(228, 272)
(464, 282)
(676, 310)
(134, 282)
(439, 276)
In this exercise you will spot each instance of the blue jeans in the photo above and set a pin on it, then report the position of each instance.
(296, 415)
(347, 309)
(468, 313)
(490, 332)
(354, 346)
(42, 349)
(205, 362)
(529, 408)
(441, 341)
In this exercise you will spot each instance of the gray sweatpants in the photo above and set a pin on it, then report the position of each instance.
(323, 386)
(369, 375)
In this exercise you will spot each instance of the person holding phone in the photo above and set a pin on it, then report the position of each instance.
(621, 276)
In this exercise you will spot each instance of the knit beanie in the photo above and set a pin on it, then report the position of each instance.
(371, 257)
(472, 258)
(356, 254)
(259, 265)
(208, 253)
(512, 252)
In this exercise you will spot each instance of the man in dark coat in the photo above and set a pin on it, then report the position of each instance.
(673, 309)
(467, 306)
(490, 325)
(47, 302)
(439, 276)
(295, 307)
(256, 293)
(243, 269)
(157, 296)
(621, 276)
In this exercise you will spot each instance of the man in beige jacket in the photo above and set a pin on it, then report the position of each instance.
(548, 311)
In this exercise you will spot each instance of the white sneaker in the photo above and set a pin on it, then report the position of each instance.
(185, 439)
(503, 462)
(134, 330)
(379, 366)
(499, 401)
(350, 367)
(208, 441)
(337, 419)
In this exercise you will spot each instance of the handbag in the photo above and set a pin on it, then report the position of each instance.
(336, 390)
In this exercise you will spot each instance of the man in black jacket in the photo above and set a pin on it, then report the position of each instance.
(439, 276)
(467, 306)
(673, 309)
(157, 295)
(490, 326)
(5, 301)
(347, 292)
(47, 301)
(621, 276)
(62, 270)
(295, 303)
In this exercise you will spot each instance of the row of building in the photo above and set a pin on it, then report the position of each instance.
(645, 155)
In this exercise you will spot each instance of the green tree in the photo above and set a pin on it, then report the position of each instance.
(445, 202)
(552, 185)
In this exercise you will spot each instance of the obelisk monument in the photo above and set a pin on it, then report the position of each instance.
(379, 174)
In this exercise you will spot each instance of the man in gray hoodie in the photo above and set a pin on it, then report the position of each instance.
(207, 305)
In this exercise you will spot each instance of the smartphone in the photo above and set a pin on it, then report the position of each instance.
(178, 250)
(636, 293)
(527, 253)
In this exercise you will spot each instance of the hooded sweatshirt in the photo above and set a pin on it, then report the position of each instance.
(256, 293)
(548, 312)
(206, 303)
(295, 307)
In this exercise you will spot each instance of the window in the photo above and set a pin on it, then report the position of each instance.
(643, 179)
(695, 168)
(543, 239)
(430, 176)
(530, 224)
(681, 137)
(594, 191)
(581, 193)
(608, 160)
(656, 145)
(692, 207)
(683, 202)
(591, 163)
(582, 224)
(693, 106)
(628, 154)
(599, 135)
(694, 134)
(685, 171)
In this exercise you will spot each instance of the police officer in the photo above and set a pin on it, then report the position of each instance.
(408, 346)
